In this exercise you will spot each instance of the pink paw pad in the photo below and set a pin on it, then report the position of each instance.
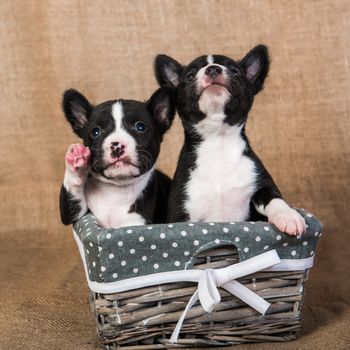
(289, 221)
(78, 156)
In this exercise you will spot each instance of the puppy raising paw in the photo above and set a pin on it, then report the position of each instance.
(285, 218)
(77, 164)
(77, 157)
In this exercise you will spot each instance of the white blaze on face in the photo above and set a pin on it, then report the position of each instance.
(210, 59)
(213, 99)
(121, 136)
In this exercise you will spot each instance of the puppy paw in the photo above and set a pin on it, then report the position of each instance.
(77, 158)
(288, 221)
(285, 218)
(77, 166)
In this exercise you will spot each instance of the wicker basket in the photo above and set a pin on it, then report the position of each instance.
(145, 318)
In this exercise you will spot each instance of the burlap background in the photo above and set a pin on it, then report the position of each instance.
(299, 125)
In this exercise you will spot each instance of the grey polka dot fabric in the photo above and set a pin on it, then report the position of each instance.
(116, 254)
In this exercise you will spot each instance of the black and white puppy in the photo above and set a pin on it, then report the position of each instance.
(218, 176)
(112, 174)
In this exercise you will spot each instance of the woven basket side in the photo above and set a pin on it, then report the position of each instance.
(145, 318)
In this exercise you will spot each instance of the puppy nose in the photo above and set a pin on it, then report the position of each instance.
(117, 149)
(213, 71)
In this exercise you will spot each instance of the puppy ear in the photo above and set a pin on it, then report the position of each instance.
(77, 110)
(167, 70)
(256, 66)
(161, 105)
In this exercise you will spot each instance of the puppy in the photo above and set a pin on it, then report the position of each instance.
(112, 174)
(218, 176)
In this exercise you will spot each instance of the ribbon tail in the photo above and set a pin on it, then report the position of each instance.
(246, 295)
(176, 331)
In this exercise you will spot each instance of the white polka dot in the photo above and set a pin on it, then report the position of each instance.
(246, 229)
(232, 223)
(266, 247)
(190, 224)
(316, 234)
(266, 228)
(177, 263)
(108, 236)
(135, 270)
(103, 269)
(111, 256)
(204, 231)
(305, 243)
(100, 249)
(278, 237)
(153, 246)
(225, 229)
(298, 236)
(211, 224)
(320, 234)
(90, 244)
(120, 244)
(183, 233)
(170, 225)
(165, 255)
(162, 235)
(156, 266)
(312, 252)
(186, 253)
(285, 244)
(87, 251)
(217, 241)
(174, 244)
(129, 231)
(293, 252)
(89, 271)
(132, 251)
(115, 275)
(257, 239)
(309, 215)
(246, 250)
(123, 263)
(237, 239)
(93, 263)
(144, 258)
(141, 239)
(150, 227)
(196, 242)
(252, 222)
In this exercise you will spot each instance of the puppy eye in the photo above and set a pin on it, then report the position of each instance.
(234, 70)
(95, 132)
(140, 127)
(190, 74)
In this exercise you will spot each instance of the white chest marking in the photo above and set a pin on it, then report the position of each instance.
(110, 204)
(221, 185)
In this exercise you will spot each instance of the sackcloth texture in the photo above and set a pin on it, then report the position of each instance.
(299, 126)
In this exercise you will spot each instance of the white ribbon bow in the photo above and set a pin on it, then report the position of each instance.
(209, 281)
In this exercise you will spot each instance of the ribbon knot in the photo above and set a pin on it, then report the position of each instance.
(208, 293)
(210, 279)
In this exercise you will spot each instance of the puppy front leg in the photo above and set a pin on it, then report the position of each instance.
(268, 202)
(72, 197)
